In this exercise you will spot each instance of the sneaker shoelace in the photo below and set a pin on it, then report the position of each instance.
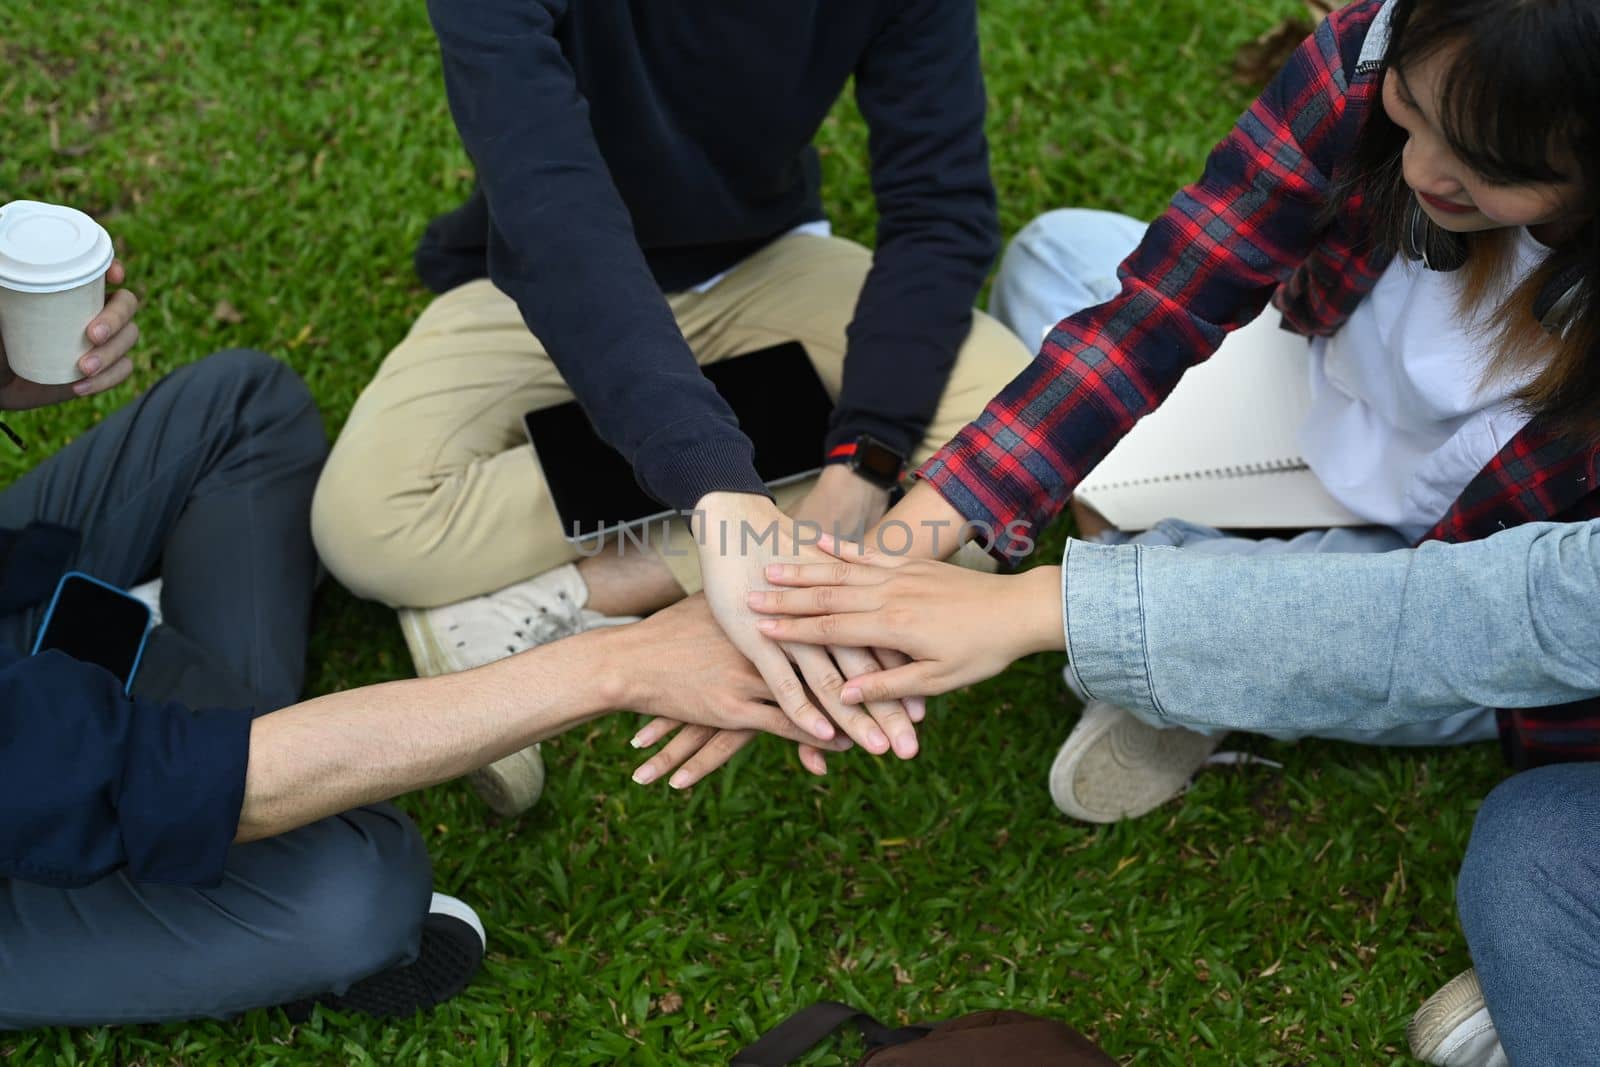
(536, 624)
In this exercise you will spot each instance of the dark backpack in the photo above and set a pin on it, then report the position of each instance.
(982, 1039)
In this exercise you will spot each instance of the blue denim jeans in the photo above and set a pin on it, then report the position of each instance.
(1057, 265)
(1529, 897)
(207, 478)
(1065, 261)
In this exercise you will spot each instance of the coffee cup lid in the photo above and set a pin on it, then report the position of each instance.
(46, 248)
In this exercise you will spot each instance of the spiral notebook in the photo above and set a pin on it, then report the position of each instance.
(1223, 450)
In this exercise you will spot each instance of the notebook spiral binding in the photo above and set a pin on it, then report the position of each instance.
(1273, 466)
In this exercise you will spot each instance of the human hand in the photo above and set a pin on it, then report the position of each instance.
(696, 751)
(678, 665)
(686, 672)
(959, 626)
(739, 534)
(845, 506)
(105, 366)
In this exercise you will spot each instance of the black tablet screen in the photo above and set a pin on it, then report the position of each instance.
(775, 392)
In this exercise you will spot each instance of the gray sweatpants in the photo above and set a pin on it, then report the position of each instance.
(206, 480)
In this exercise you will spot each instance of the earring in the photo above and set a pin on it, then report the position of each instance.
(1437, 248)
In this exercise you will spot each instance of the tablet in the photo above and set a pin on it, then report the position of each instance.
(781, 405)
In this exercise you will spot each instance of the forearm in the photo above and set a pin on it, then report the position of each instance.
(1187, 284)
(344, 750)
(922, 526)
(1035, 610)
(1305, 642)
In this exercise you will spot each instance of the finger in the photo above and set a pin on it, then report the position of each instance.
(117, 313)
(809, 574)
(713, 754)
(860, 553)
(687, 742)
(825, 680)
(813, 760)
(789, 693)
(838, 546)
(823, 600)
(860, 629)
(654, 731)
(117, 274)
(109, 378)
(770, 720)
(891, 716)
(916, 707)
(105, 355)
(916, 679)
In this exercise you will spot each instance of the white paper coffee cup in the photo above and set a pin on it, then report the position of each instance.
(53, 263)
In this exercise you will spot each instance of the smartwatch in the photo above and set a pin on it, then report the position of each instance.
(871, 459)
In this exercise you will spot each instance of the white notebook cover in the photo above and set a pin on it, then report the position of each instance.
(1223, 450)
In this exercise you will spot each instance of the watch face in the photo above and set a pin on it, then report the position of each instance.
(878, 462)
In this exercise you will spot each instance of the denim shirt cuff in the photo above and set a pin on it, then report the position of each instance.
(1104, 618)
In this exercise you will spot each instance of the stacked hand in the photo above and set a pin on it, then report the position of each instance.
(680, 667)
(931, 627)
(958, 627)
(740, 535)
(837, 506)
(105, 366)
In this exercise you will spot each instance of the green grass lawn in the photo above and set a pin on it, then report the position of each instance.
(283, 158)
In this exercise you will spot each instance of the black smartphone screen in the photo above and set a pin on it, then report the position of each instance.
(781, 405)
(96, 624)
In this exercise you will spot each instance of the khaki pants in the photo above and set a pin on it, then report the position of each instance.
(433, 494)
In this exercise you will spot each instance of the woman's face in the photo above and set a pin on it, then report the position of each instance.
(1450, 192)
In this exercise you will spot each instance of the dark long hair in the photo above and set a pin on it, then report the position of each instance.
(1520, 99)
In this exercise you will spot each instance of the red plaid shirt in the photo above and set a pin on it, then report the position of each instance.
(1253, 229)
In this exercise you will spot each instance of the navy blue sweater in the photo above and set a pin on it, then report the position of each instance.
(624, 149)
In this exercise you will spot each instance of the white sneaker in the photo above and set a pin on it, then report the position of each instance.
(1453, 1028)
(480, 630)
(483, 629)
(1114, 766)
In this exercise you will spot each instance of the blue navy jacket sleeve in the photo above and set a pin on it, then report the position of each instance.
(563, 247)
(92, 781)
(920, 89)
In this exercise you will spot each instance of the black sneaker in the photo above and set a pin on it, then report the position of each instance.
(453, 944)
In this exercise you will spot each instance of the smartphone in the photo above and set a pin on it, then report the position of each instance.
(94, 622)
(781, 404)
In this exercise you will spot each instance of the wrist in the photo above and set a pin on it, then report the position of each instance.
(839, 482)
(732, 502)
(729, 525)
(935, 525)
(1038, 606)
(842, 477)
(625, 665)
(605, 661)
(580, 678)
